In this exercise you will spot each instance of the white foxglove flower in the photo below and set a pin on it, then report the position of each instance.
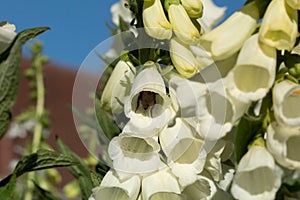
(185, 153)
(254, 72)
(160, 185)
(182, 25)
(216, 40)
(189, 96)
(212, 14)
(257, 176)
(118, 87)
(119, 10)
(279, 27)
(194, 8)
(134, 155)
(113, 188)
(221, 111)
(148, 106)
(295, 4)
(202, 188)
(7, 34)
(183, 59)
(286, 98)
(284, 143)
(155, 21)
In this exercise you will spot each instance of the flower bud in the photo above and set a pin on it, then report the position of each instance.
(257, 176)
(279, 27)
(118, 87)
(286, 98)
(217, 40)
(194, 8)
(254, 72)
(182, 25)
(155, 21)
(183, 59)
(7, 34)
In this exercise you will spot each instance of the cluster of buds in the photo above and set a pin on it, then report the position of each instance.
(175, 140)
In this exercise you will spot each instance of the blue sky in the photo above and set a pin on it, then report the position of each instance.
(76, 26)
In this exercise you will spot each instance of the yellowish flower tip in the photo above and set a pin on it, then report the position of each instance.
(259, 141)
(53, 175)
(296, 92)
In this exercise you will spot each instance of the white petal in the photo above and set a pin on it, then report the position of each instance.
(284, 143)
(189, 96)
(134, 155)
(202, 188)
(119, 10)
(118, 87)
(7, 34)
(254, 73)
(152, 114)
(257, 176)
(182, 25)
(279, 26)
(215, 41)
(155, 21)
(286, 98)
(212, 14)
(160, 185)
(112, 188)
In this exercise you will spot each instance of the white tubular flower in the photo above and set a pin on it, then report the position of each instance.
(295, 4)
(212, 14)
(118, 87)
(286, 98)
(221, 112)
(284, 143)
(194, 8)
(134, 155)
(113, 188)
(216, 41)
(119, 10)
(160, 185)
(148, 105)
(183, 59)
(257, 176)
(155, 21)
(202, 188)
(7, 34)
(182, 25)
(279, 27)
(254, 72)
(186, 155)
(189, 96)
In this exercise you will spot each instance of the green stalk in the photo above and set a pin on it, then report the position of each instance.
(37, 134)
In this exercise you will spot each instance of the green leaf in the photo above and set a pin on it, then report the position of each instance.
(4, 122)
(43, 159)
(247, 129)
(81, 172)
(44, 194)
(9, 73)
(7, 190)
(106, 122)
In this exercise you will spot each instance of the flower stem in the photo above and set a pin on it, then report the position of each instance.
(37, 134)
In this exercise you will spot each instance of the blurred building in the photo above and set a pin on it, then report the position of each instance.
(59, 82)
